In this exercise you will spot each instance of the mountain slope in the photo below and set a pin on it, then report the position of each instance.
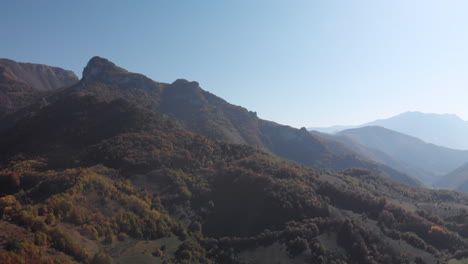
(39, 76)
(204, 113)
(132, 186)
(21, 84)
(330, 130)
(434, 159)
(456, 180)
(379, 156)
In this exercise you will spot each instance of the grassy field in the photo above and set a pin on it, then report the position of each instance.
(454, 261)
(273, 254)
(134, 251)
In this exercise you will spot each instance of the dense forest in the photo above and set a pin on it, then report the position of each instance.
(87, 180)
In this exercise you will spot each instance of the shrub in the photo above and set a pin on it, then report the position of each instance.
(297, 246)
(414, 240)
(90, 232)
(8, 207)
(64, 243)
(40, 239)
(101, 258)
(122, 236)
(195, 227)
(50, 219)
(158, 253)
(14, 245)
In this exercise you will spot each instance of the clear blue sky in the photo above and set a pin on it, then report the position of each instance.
(296, 62)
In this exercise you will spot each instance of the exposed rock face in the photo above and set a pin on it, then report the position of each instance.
(40, 77)
(102, 70)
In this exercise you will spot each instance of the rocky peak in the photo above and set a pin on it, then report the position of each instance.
(104, 71)
(186, 89)
(100, 69)
(185, 83)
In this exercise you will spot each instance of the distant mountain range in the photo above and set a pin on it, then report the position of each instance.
(456, 180)
(382, 157)
(427, 161)
(446, 130)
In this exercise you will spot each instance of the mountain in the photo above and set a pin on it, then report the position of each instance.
(435, 160)
(39, 76)
(204, 113)
(21, 84)
(330, 130)
(379, 156)
(456, 179)
(84, 180)
(446, 130)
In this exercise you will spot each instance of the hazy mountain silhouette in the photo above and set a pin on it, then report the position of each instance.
(446, 130)
(456, 180)
(330, 130)
(380, 156)
(423, 157)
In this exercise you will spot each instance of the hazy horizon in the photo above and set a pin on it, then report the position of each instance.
(383, 118)
(304, 64)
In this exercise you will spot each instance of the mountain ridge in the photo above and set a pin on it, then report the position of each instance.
(456, 179)
(91, 175)
(446, 130)
(435, 160)
(204, 113)
(379, 156)
(21, 84)
(40, 76)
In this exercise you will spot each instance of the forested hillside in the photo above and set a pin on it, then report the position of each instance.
(22, 84)
(109, 182)
(204, 113)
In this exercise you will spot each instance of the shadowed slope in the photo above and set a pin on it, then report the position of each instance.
(204, 113)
